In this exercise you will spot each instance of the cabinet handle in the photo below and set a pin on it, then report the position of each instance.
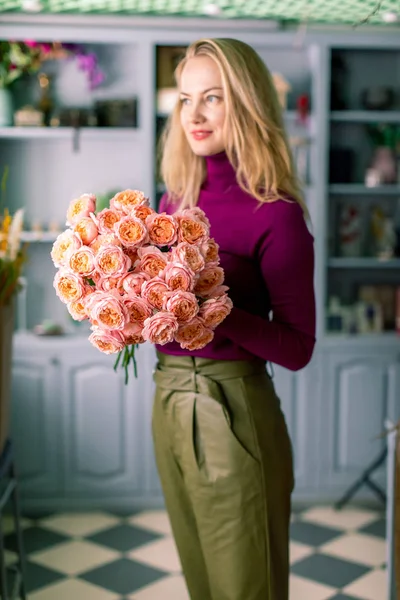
(55, 361)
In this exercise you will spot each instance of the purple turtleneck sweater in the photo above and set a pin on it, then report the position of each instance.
(267, 254)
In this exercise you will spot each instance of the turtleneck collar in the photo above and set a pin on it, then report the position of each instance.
(220, 173)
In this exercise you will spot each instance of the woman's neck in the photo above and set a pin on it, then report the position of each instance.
(221, 175)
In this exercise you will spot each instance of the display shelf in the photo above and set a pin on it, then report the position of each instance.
(382, 338)
(358, 189)
(56, 133)
(39, 236)
(365, 116)
(364, 263)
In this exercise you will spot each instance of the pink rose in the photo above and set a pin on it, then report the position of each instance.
(215, 310)
(133, 334)
(132, 283)
(82, 262)
(209, 278)
(63, 247)
(127, 200)
(106, 284)
(152, 260)
(160, 328)
(183, 305)
(131, 231)
(154, 292)
(210, 250)
(108, 342)
(196, 213)
(105, 220)
(162, 228)
(189, 331)
(188, 255)
(200, 342)
(138, 309)
(112, 262)
(220, 290)
(108, 312)
(86, 229)
(191, 229)
(77, 310)
(69, 286)
(81, 207)
(178, 277)
(104, 239)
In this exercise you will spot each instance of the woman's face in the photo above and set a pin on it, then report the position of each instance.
(202, 106)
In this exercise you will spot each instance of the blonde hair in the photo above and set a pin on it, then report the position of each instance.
(255, 139)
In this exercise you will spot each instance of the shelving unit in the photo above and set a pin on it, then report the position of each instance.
(62, 133)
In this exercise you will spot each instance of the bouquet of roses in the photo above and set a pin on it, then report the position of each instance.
(138, 275)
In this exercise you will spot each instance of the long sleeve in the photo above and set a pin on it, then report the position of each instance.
(286, 259)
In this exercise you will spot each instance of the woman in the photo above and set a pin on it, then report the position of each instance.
(222, 447)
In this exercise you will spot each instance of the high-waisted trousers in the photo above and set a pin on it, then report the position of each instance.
(225, 463)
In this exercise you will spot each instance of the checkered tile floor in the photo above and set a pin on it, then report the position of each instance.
(103, 556)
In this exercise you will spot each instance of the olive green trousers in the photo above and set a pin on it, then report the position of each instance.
(225, 463)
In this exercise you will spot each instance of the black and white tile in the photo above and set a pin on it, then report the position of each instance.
(101, 556)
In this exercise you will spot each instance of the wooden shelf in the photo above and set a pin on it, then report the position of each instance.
(362, 190)
(364, 263)
(60, 133)
(365, 116)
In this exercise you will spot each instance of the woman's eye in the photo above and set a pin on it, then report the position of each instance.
(184, 101)
(212, 99)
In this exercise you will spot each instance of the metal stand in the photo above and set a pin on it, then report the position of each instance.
(365, 479)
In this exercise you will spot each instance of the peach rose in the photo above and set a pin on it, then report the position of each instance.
(132, 252)
(90, 300)
(189, 331)
(106, 284)
(178, 277)
(127, 200)
(183, 305)
(160, 328)
(112, 262)
(191, 229)
(104, 239)
(188, 255)
(87, 230)
(162, 228)
(132, 283)
(220, 290)
(142, 212)
(108, 312)
(63, 247)
(138, 309)
(82, 262)
(133, 334)
(154, 292)
(131, 231)
(108, 342)
(209, 278)
(197, 213)
(200, 342)
(152, 260)
(69, 286)
(105, 220)
(77, 310)
(80, 207)
(210, 251)
(215, 310)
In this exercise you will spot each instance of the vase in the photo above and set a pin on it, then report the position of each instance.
(384, 165)
(6, 336)
(6, 107)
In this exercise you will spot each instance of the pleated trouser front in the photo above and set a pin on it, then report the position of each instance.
(225, 463)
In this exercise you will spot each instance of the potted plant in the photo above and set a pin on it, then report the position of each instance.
(19, 59)
(12, 258)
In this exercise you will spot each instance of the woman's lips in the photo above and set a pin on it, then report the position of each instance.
(201, 135)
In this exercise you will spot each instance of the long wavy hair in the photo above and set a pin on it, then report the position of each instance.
(255, 140)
